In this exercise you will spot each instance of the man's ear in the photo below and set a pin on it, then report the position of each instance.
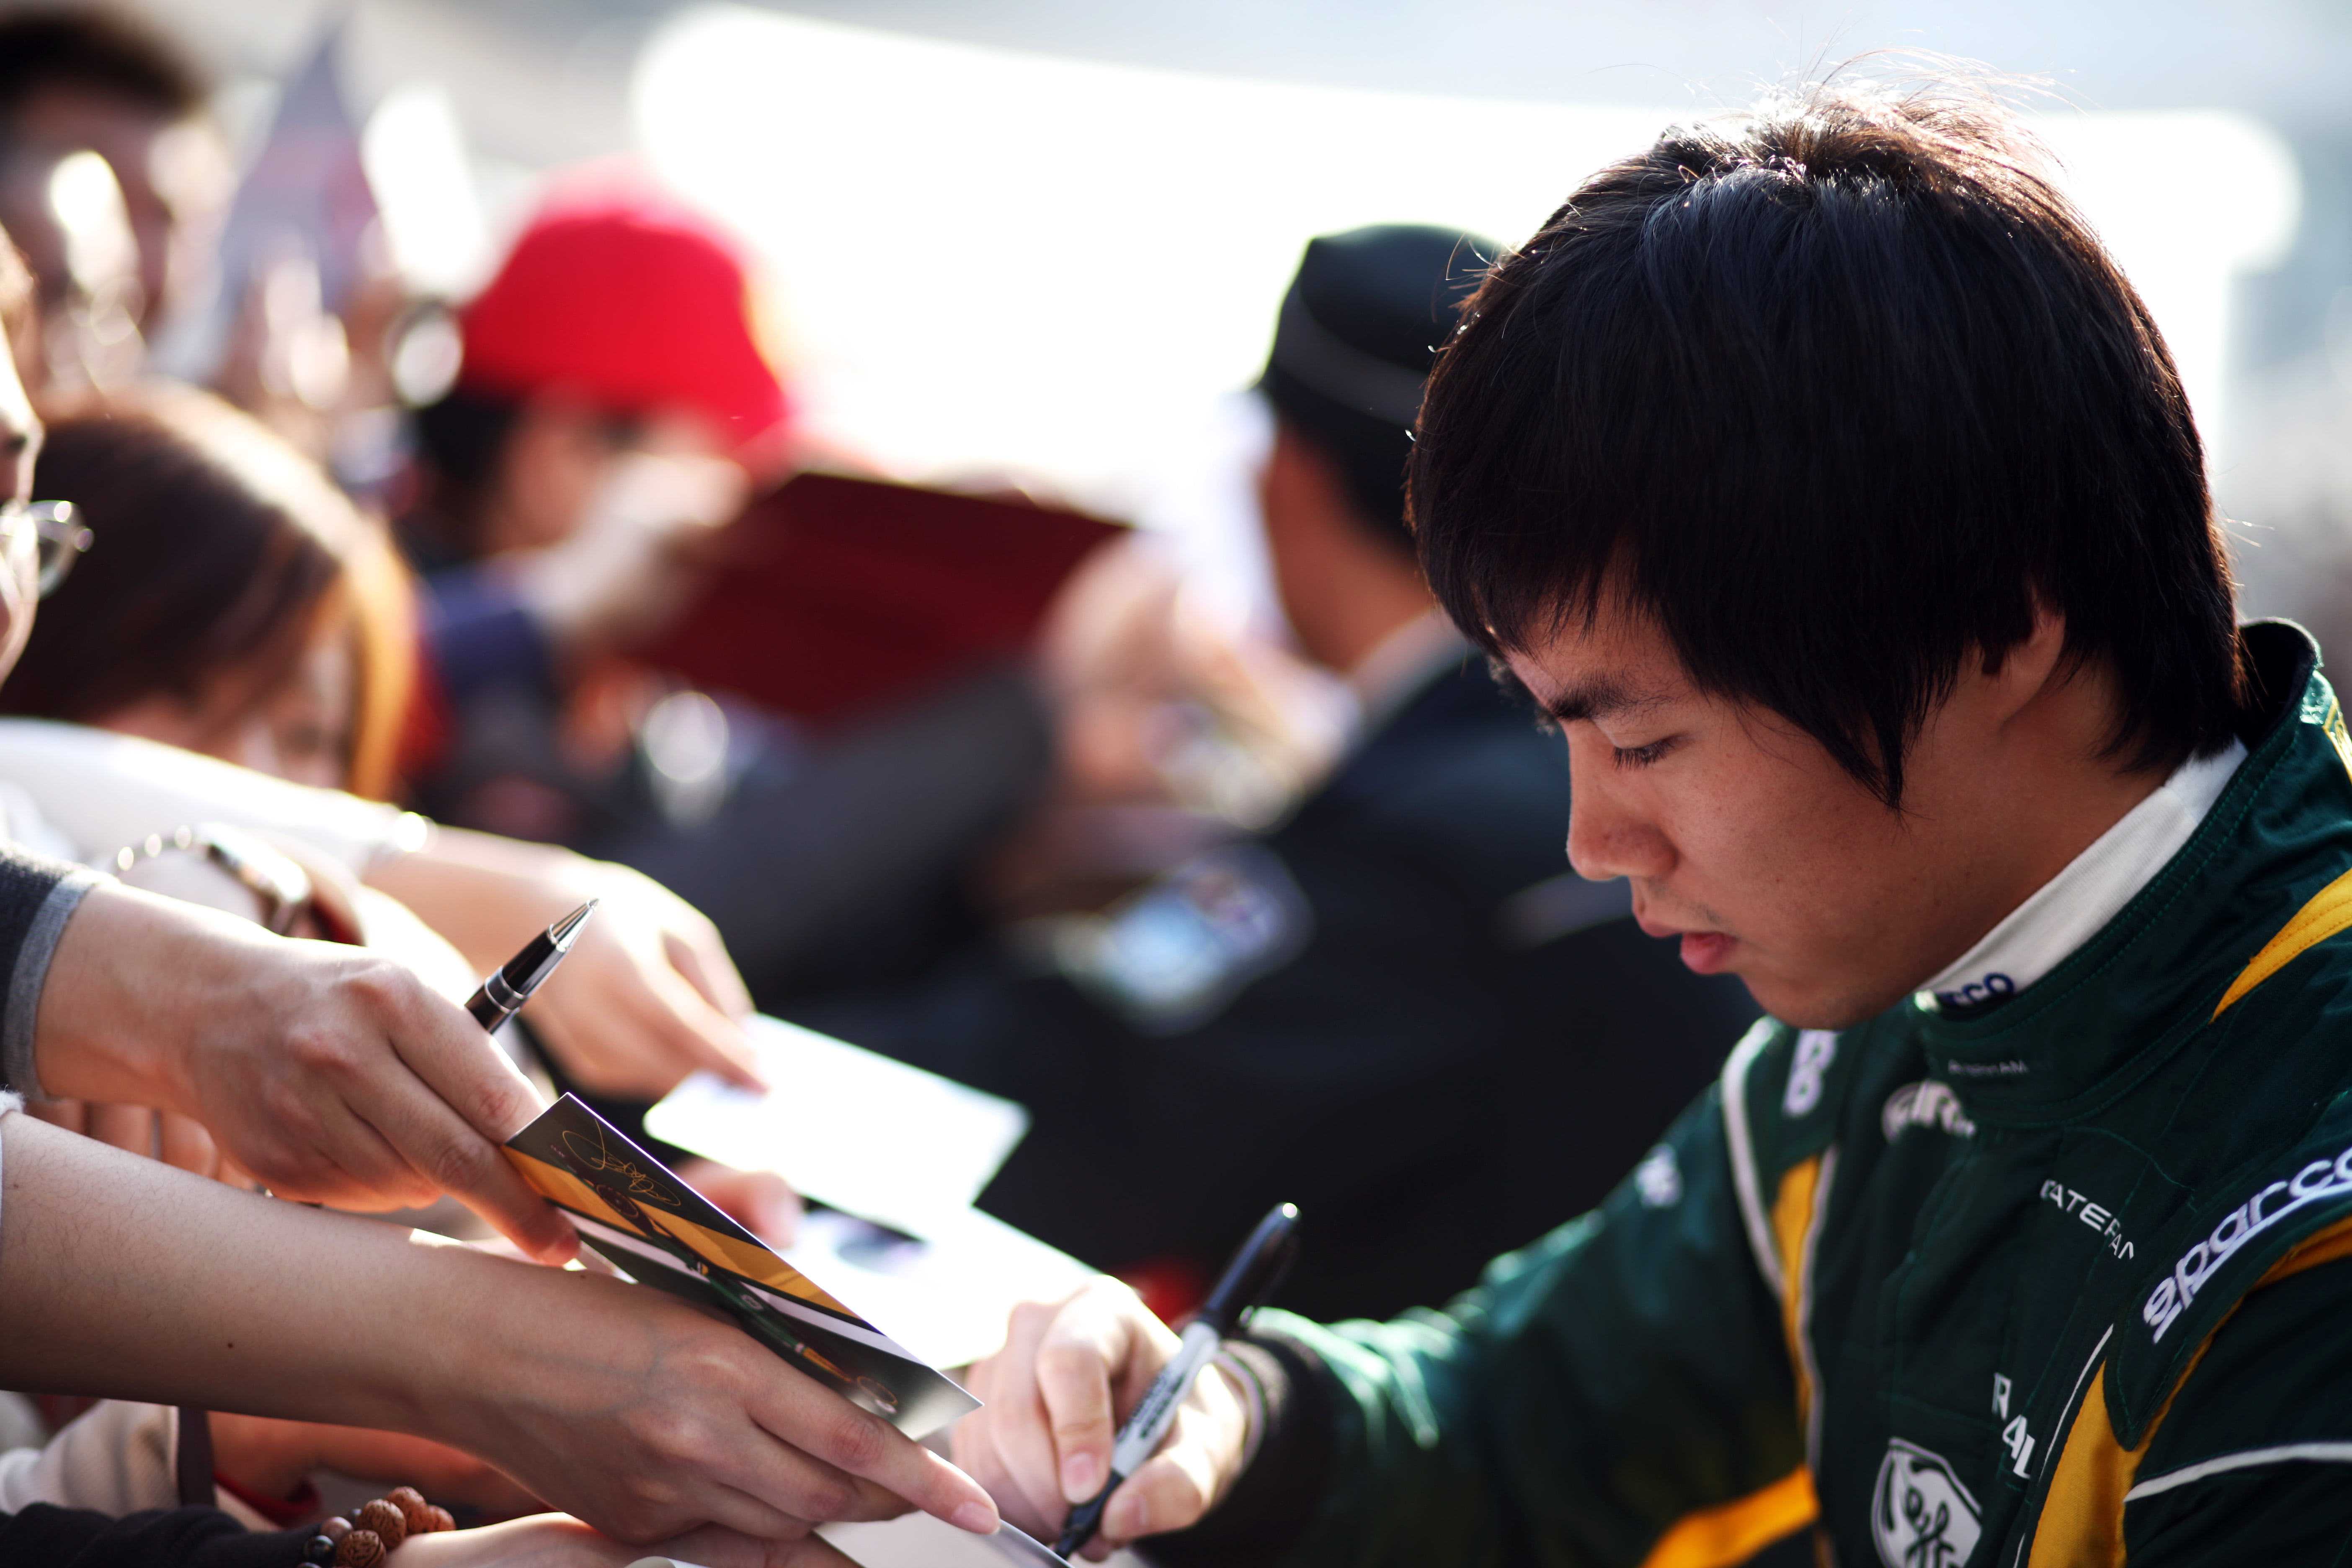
(2023, 670)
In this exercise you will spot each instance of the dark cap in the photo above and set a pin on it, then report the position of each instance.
(1366, 313)
(1353, 345)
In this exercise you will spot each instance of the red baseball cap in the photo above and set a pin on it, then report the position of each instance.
(623, 295)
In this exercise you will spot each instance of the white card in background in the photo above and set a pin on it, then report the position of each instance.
(947, 1298)
(848, 1127)
(918, 1540)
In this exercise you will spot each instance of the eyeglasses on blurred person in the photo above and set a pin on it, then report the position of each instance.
(54, 534)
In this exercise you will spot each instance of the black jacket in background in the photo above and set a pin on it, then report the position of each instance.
(1470, 1046)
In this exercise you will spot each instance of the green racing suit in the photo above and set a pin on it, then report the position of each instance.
(2062, 1279)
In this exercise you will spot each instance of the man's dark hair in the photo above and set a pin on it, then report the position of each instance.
(1835, 393)
(97, 50)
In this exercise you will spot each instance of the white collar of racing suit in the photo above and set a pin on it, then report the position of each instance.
(2068, 909)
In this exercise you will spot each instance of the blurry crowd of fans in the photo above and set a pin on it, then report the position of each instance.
(1361, 928)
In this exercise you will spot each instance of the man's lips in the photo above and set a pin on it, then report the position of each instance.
(1704, 951)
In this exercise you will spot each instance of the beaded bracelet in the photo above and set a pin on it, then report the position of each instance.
(374, 1529)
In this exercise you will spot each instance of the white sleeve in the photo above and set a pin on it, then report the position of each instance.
(104, 791)
(115, 1458)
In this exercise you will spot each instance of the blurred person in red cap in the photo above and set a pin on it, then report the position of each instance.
(614, 406)
(612, 400)
(628, 302)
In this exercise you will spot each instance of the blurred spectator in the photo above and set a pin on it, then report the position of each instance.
(110, 967)
(613, 408)
(116, 180)
(110, 176)
(1178, 725)
(1342, 997)
(612, 403)
(240, 606)
(241, 609)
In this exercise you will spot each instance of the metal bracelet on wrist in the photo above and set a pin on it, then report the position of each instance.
(275, 879)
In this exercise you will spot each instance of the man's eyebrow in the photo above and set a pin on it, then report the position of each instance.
(1603, 697)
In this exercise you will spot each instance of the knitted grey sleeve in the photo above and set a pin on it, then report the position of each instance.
(36, 898)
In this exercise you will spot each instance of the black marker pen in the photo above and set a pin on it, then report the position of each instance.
(1249, 1278)
(505, 990)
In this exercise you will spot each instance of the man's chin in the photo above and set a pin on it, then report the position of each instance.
(1804, 1001)
(1815, 1004)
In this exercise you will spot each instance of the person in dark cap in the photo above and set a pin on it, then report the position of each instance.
(1352, 347)
(1397, 1008)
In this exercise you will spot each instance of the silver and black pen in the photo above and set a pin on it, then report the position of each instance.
(504, 990)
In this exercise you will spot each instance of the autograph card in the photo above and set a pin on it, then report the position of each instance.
(659, 1231)
(1011, 1542)
(918, 1540)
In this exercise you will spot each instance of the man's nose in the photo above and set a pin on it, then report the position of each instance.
(1608, 834)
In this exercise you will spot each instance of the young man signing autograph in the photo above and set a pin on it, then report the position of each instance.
(1822, 478)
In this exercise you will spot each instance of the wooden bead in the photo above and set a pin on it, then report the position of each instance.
(415, 1512)
(384, 1519)
(361, 1549)
(442, 1518)
(335, 1529)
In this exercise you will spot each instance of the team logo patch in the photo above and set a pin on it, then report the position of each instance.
(1920, 1515)
(1816, 1048)
(1659, 1178)
(1976, 991)
(2316, 1182)
(1928, 1104)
